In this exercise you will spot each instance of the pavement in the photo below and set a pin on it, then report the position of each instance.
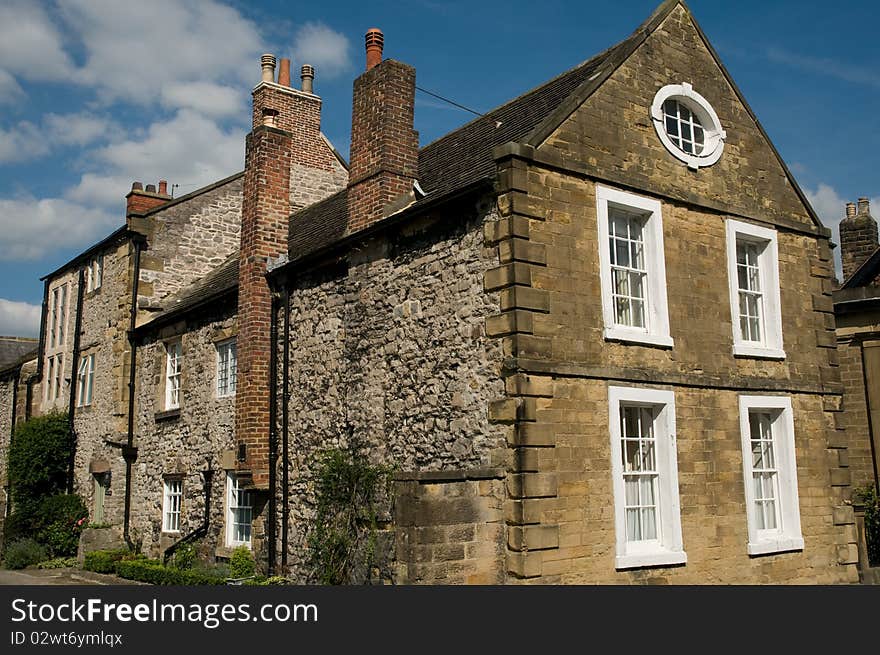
(67, 576)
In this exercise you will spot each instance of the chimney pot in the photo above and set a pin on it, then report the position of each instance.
(284, 72)
(163, 187)
(267, 62)
(137, 186)
(375, 41)
(307, 74)
(864, 206)
(850, 209)
(151, 188)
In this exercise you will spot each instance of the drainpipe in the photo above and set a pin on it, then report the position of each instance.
(74, 370)
(129, 451)
(285, 399)
(202, 530)
(273, 432)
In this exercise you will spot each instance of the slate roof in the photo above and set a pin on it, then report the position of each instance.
(459, 159)
(866, 273)
(15, 350)
(222, 280)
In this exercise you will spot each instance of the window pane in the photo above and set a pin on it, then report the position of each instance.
(649, 523)
(638, 313)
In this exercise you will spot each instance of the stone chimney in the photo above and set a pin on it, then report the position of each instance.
(384, 146)
(285, 156)
(139, 201)
(858, 236)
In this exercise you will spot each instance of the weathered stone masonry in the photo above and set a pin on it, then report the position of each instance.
(392, 346)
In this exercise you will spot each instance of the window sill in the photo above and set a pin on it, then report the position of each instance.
(757, 352)
(171, 532)
(780, 545)
(635, 336)
(658, 558)
(168, 415)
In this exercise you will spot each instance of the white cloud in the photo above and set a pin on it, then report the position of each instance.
(828, 67)
(190, 150)
(25, 141)
(19, 319)
(30, 44)
(10, 90)
(140, 52)
(205, 97)
(78, 129)
(32, 227)
(323, 48)
(831, 208)
(22, 142)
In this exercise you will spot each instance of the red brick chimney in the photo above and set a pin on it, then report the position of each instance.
(384, 145)
(138, 200)
(858, 236)
(285, 143)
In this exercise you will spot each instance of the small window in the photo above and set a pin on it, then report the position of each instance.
(171, 505)
(687, 125)
(61, 313)
(645, 477)
(770, 474)
(53, 317)
(226, 368)
(85, 381)
(94, 273)
(753, 274)
(50, 378)
(633, 270)
(239, 513)
(173, 357)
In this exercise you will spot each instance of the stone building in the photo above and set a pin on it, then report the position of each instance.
(526, 319)
(857, 314)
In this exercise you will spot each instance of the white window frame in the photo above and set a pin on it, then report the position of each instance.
(232, 498)
(62, 313)
(787, 536)
(714, 134)
(172, 499)
(668, 548)
(770, 346)
(173, 357)
(227, 369)
(94, 273)
(85, 381)
(656, 330)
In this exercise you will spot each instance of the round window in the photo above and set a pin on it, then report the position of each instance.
(687, 125)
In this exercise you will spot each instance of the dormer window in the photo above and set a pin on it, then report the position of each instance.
(687, 125)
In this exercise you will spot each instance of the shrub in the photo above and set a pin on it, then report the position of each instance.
(59, 522)
(38, 460)
(58, 563)
(342, 538)
(24, 552)
(241, 562)
(152, 572)
(103, 561)
(184, 557)
(868, 496)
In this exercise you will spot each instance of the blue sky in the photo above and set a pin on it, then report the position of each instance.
(97, 93)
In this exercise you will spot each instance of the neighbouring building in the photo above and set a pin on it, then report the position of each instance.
(592, 331)
(857, 313)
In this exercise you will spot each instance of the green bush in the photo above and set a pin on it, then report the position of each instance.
(342, 538)
(241, 562)
(38, 461)
(57, 563)
(59, 522)
(24, 552)
(184, 557)
(152, 572)
(103, 561)
(868, 496)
